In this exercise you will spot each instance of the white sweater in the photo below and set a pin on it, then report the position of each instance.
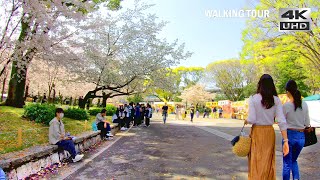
(259, 115)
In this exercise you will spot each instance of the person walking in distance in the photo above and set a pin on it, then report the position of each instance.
(177, 111)
(165, 113)
(130, 114)
(264, 107)
(183, 113)
(204, 113)
(143, 109)
(148, 114)
(127, 110)
(137, 115)
(191, 112)
(220, 112)
(297, 115)
(214, 112)
(198, 113)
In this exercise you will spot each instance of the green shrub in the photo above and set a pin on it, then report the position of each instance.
(40, 113)
(76, 113)
(111, 109)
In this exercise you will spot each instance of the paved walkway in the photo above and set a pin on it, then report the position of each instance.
(177, 150)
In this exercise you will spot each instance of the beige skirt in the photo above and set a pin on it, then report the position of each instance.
(262, 155)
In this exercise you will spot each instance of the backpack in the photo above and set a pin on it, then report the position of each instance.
(94, 126)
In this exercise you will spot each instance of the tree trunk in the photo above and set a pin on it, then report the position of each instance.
(92, 95)
(71, 99)
(49, 95)
(104, 101)
(27, 92)
(3, 85)
(84, 101)
(88, 103)
(54, 95)
(16, 86)
(105, 98)
(19, 73)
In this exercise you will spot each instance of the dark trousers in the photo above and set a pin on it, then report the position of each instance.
(128, 120)
(68, 145)
(191, 114)
(147, 121)
(132, 120)
(142, 119)
(122, 122)
(137, 120)
(103, 130)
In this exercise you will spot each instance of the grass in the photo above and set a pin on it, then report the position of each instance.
(32, 133)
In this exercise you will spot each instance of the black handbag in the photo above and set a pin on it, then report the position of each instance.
(310, 136)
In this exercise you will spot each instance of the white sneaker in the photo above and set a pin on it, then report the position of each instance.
(123, 129)
(110, 135)
(77, 158)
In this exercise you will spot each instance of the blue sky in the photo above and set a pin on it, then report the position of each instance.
(210, 39)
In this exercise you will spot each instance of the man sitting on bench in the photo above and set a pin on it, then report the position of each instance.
(57, 136)
(103, 125)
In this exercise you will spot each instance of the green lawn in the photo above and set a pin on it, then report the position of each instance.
(32, 133)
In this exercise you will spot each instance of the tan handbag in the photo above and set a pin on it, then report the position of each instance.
(241, 145)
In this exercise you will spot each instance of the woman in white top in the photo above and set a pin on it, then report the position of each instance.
(297, 116)
(264, 107)
(177, 112)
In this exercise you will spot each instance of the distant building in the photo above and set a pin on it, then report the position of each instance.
(151, 98)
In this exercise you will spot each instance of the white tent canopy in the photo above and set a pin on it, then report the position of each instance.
(314, 112)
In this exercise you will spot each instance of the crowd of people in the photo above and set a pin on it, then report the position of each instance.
(126, 115)
(132, 114)
(181, 111)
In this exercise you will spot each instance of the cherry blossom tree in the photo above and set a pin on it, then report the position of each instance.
(31, 27)
(122, 54)
(47, 76)
(196, 94)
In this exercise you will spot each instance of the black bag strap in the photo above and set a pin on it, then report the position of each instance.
(242, 128)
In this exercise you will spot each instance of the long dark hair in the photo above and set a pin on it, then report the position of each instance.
(292, 87)
(267, 90)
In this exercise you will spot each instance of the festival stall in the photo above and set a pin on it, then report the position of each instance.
(226, 107)
(240, 109)
(212, 105)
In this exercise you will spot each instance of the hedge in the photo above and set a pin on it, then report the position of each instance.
(76, 113)
(40, 113)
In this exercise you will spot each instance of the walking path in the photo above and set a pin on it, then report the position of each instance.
(177, 150)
